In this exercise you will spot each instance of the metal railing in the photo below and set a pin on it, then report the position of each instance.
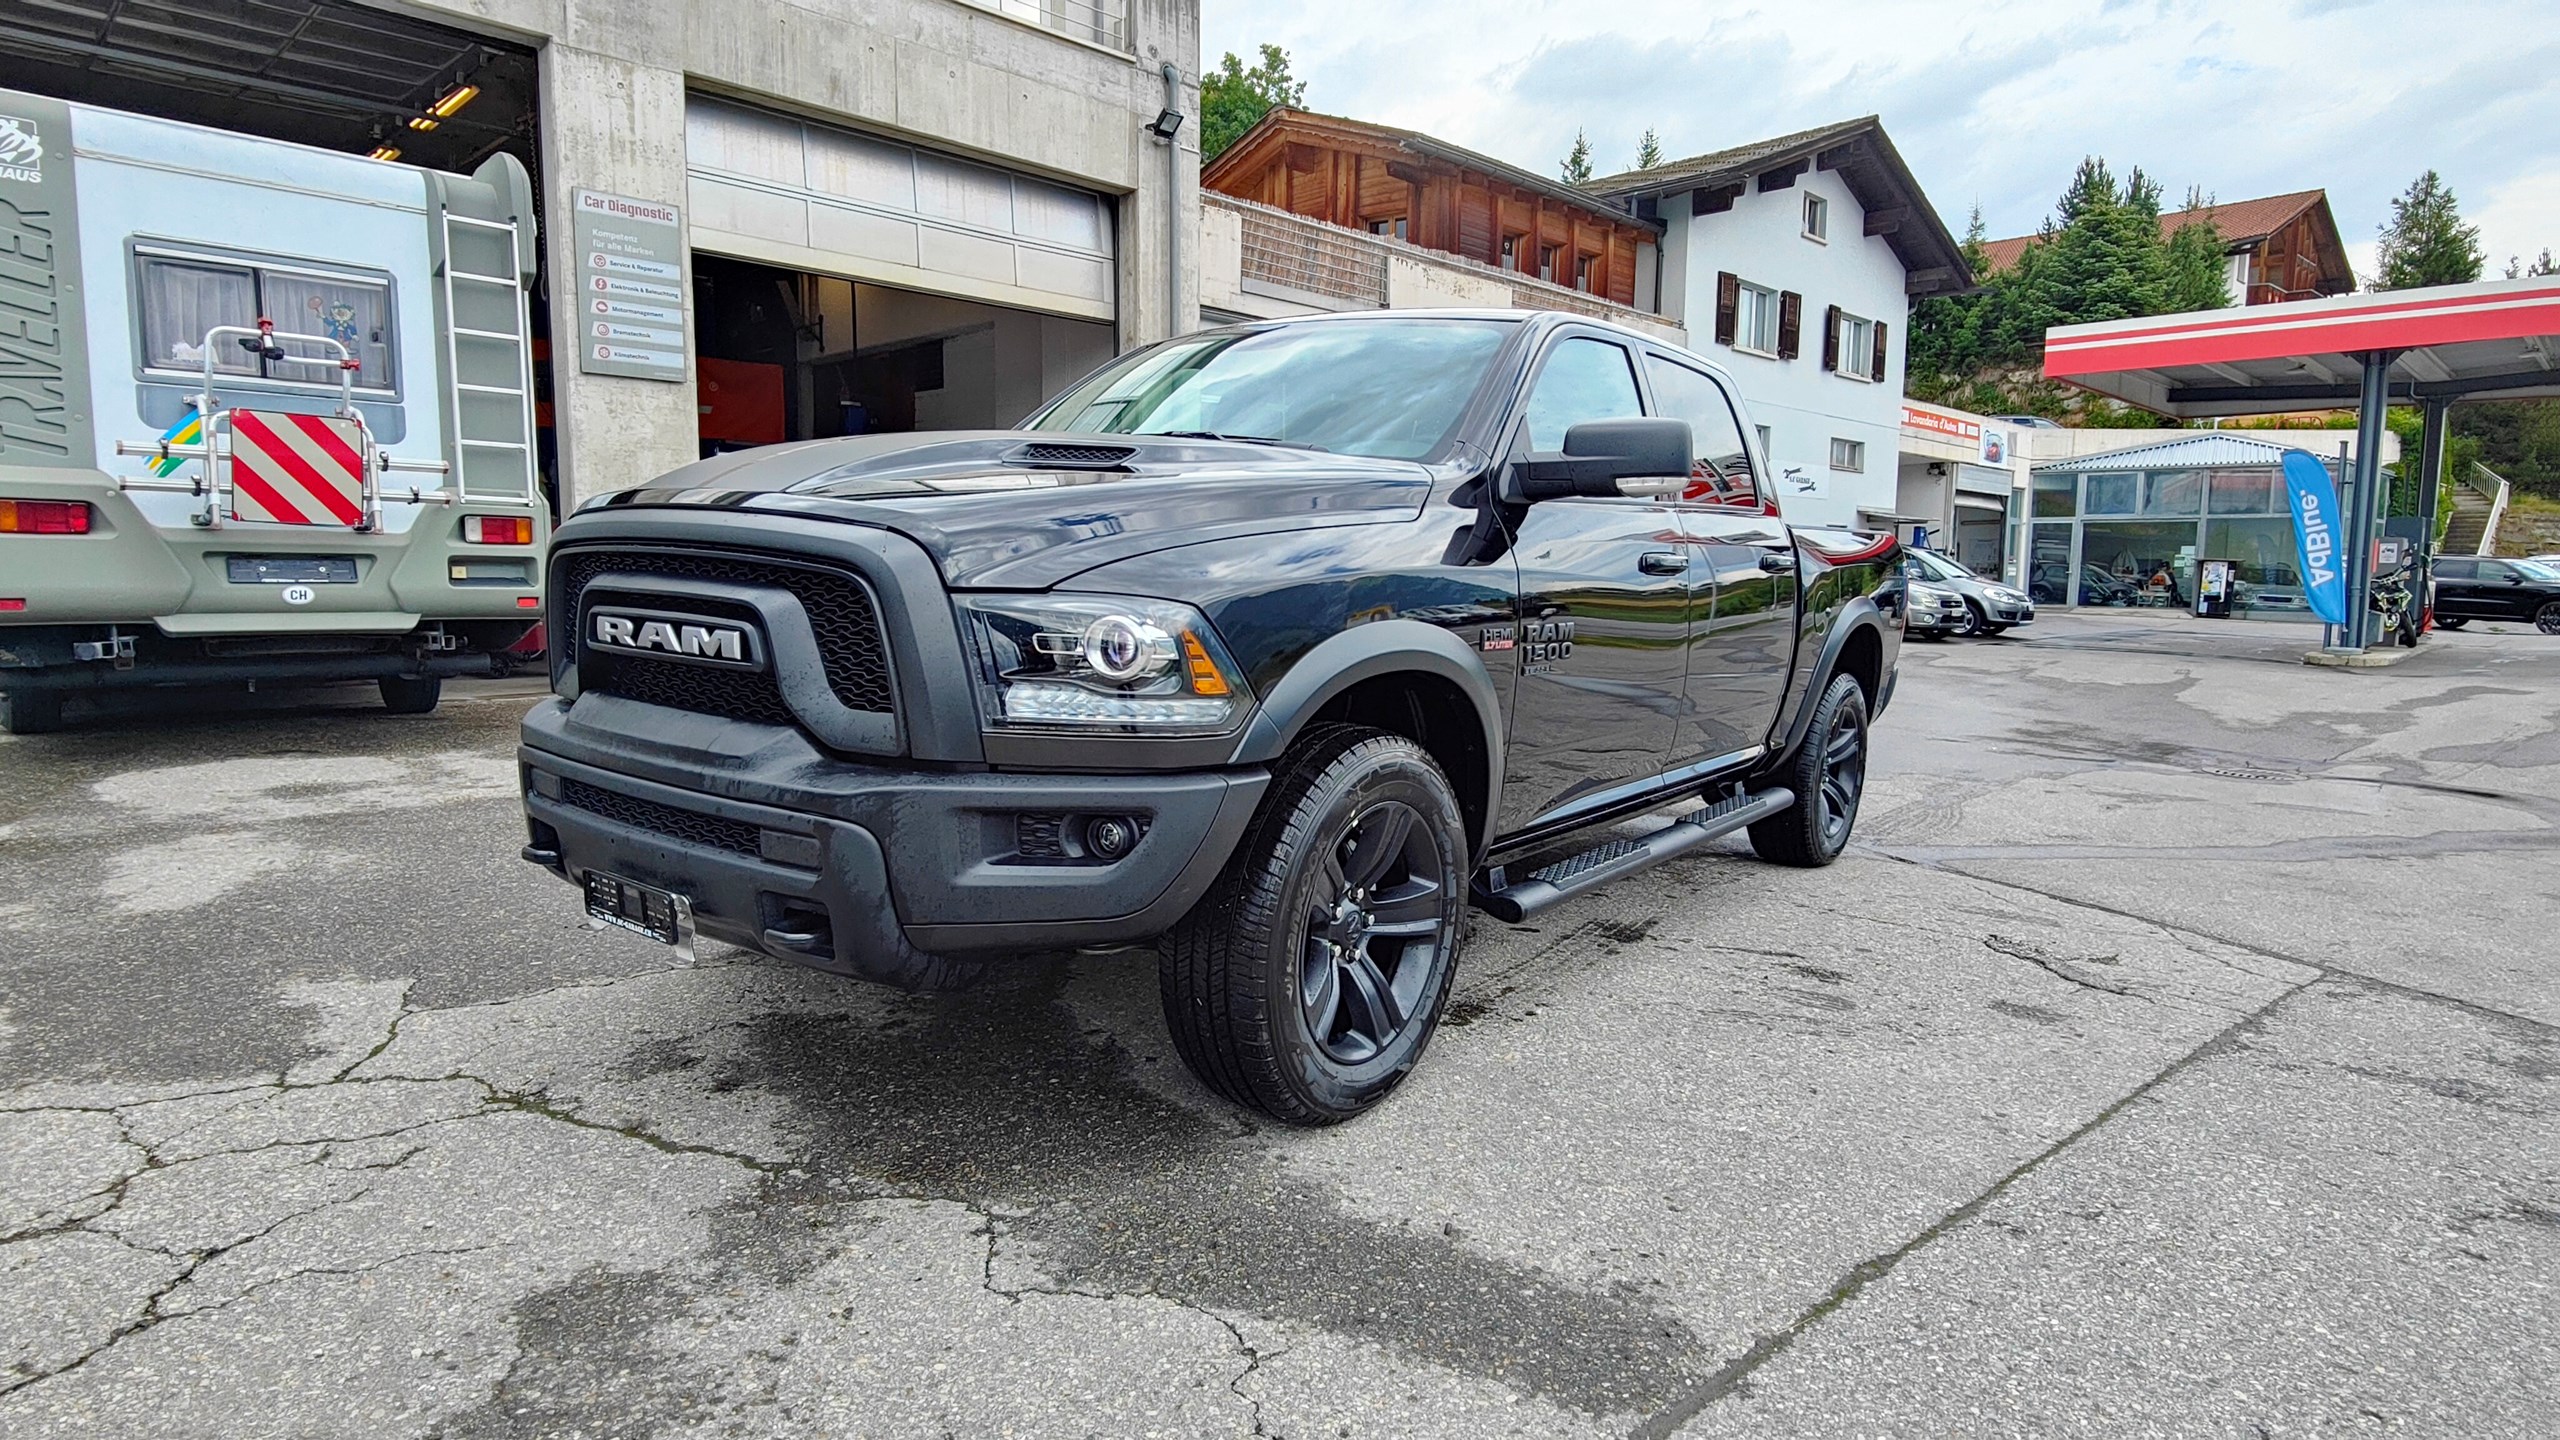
(1096, 22)
(2489, 483)
(1311, 257)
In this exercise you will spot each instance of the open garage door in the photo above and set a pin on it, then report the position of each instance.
(845, 284)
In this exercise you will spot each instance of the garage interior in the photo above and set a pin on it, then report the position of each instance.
(790, 355)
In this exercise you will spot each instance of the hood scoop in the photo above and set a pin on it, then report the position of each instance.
(1053, 455)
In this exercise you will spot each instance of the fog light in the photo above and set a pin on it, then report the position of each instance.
(1110, 837)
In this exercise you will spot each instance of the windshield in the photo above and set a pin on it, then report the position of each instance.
(1934, 566)
(1389, 388)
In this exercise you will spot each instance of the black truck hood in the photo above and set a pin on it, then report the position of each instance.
(1026, 510)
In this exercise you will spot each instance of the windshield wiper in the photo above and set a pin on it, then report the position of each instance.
(1241, 439)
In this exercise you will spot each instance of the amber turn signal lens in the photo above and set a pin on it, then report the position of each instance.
(1205, 679)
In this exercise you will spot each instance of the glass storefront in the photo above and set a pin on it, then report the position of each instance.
(2136, 537)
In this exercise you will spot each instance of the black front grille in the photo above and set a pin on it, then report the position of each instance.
(702, 689)
(690, 826)
(841, 613)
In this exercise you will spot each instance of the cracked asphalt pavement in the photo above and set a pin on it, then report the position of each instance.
(2174, 1054)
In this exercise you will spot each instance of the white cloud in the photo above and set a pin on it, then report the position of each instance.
(1991, 101)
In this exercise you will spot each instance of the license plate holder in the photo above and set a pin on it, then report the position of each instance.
(662, 915)
(290, 569)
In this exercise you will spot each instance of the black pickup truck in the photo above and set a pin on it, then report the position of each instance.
(1277, 645)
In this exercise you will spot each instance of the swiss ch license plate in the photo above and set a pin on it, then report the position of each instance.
(661, 915)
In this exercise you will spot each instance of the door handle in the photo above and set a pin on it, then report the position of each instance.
(1662, 562)
(1778, 562)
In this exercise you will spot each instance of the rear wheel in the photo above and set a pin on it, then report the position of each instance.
(1829, 776)
(1308, 981)
(2547, 619)
(411, 694)
(34, 712)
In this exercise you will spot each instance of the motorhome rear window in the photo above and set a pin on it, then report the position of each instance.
(182, 297)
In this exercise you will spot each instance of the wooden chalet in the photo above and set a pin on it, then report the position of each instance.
(2281, 247)
(1428, 193)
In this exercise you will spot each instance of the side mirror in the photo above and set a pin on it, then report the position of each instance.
(1600, 458)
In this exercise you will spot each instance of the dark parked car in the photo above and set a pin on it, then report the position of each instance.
(2097, 587)
(1276, 644)
(2472, 588)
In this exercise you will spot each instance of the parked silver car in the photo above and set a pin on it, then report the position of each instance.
(1990, 607)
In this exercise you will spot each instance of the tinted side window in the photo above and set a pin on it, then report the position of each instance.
(2496, 570)
(2451, 568)
(1723, 465)
(1584, 379)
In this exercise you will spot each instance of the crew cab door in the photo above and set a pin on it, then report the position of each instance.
(1604, 605)
(1742, 575)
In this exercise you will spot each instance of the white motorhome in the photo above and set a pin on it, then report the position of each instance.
(266, 413)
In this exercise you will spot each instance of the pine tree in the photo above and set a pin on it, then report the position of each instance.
(1577, 161)
(1232, 97)
(1648, 150)
(2425, 241)
(2545, 265)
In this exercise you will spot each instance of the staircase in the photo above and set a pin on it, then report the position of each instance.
(2479, 502)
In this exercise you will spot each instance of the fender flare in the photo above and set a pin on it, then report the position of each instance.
(1365, 652)
(1859, 613)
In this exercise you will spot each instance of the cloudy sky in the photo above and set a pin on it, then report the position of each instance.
(1991, 102)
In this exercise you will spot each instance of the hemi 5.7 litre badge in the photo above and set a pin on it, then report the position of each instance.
(1541, 643)
(690, 638)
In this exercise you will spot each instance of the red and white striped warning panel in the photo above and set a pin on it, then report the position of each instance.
(296, 469)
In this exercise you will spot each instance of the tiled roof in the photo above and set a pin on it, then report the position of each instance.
(2205, 450)
(2239, 223)
(1671, 174)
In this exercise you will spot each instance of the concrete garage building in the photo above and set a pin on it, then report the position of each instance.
(762, 220)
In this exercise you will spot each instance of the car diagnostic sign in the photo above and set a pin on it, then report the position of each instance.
(631, 286)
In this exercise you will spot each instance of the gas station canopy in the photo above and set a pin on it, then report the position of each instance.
(2499, 340)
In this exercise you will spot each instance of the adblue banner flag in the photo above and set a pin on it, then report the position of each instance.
(2318, 535)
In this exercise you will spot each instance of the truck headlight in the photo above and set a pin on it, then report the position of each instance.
(1102, 664)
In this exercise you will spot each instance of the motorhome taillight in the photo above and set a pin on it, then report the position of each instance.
(497, 529)
(44, 517)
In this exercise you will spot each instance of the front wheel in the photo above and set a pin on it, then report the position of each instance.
(1975, 622)
(1829, 776)
(2547, 619)
(1309, 979)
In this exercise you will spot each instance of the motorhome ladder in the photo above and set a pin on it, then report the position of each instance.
(488, 360)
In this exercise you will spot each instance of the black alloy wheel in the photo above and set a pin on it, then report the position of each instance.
(2547, 619)
(1309, 979)
(1374, 933)
(1828, 774)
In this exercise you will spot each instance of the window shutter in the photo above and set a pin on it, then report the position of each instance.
(1790, 324)
(1878, 372)
(1831, 338)
(1728, 304)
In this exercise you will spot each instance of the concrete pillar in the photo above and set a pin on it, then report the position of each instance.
(1159, 284)
(2430, 468)
(2364, 501)
(613, 125)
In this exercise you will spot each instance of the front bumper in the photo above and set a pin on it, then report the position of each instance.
(2009, 612)
(874, 871)
(1930, 620)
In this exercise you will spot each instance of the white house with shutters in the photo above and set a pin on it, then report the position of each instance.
(1794, 262)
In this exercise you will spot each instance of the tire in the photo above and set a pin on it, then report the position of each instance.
(34, 712)
(2455, 623)
(2547, 619)
(411, 694)
(1828, 772)
(1290, 988)
(1975, 623)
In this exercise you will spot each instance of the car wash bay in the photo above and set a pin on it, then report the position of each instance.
(844, 284)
